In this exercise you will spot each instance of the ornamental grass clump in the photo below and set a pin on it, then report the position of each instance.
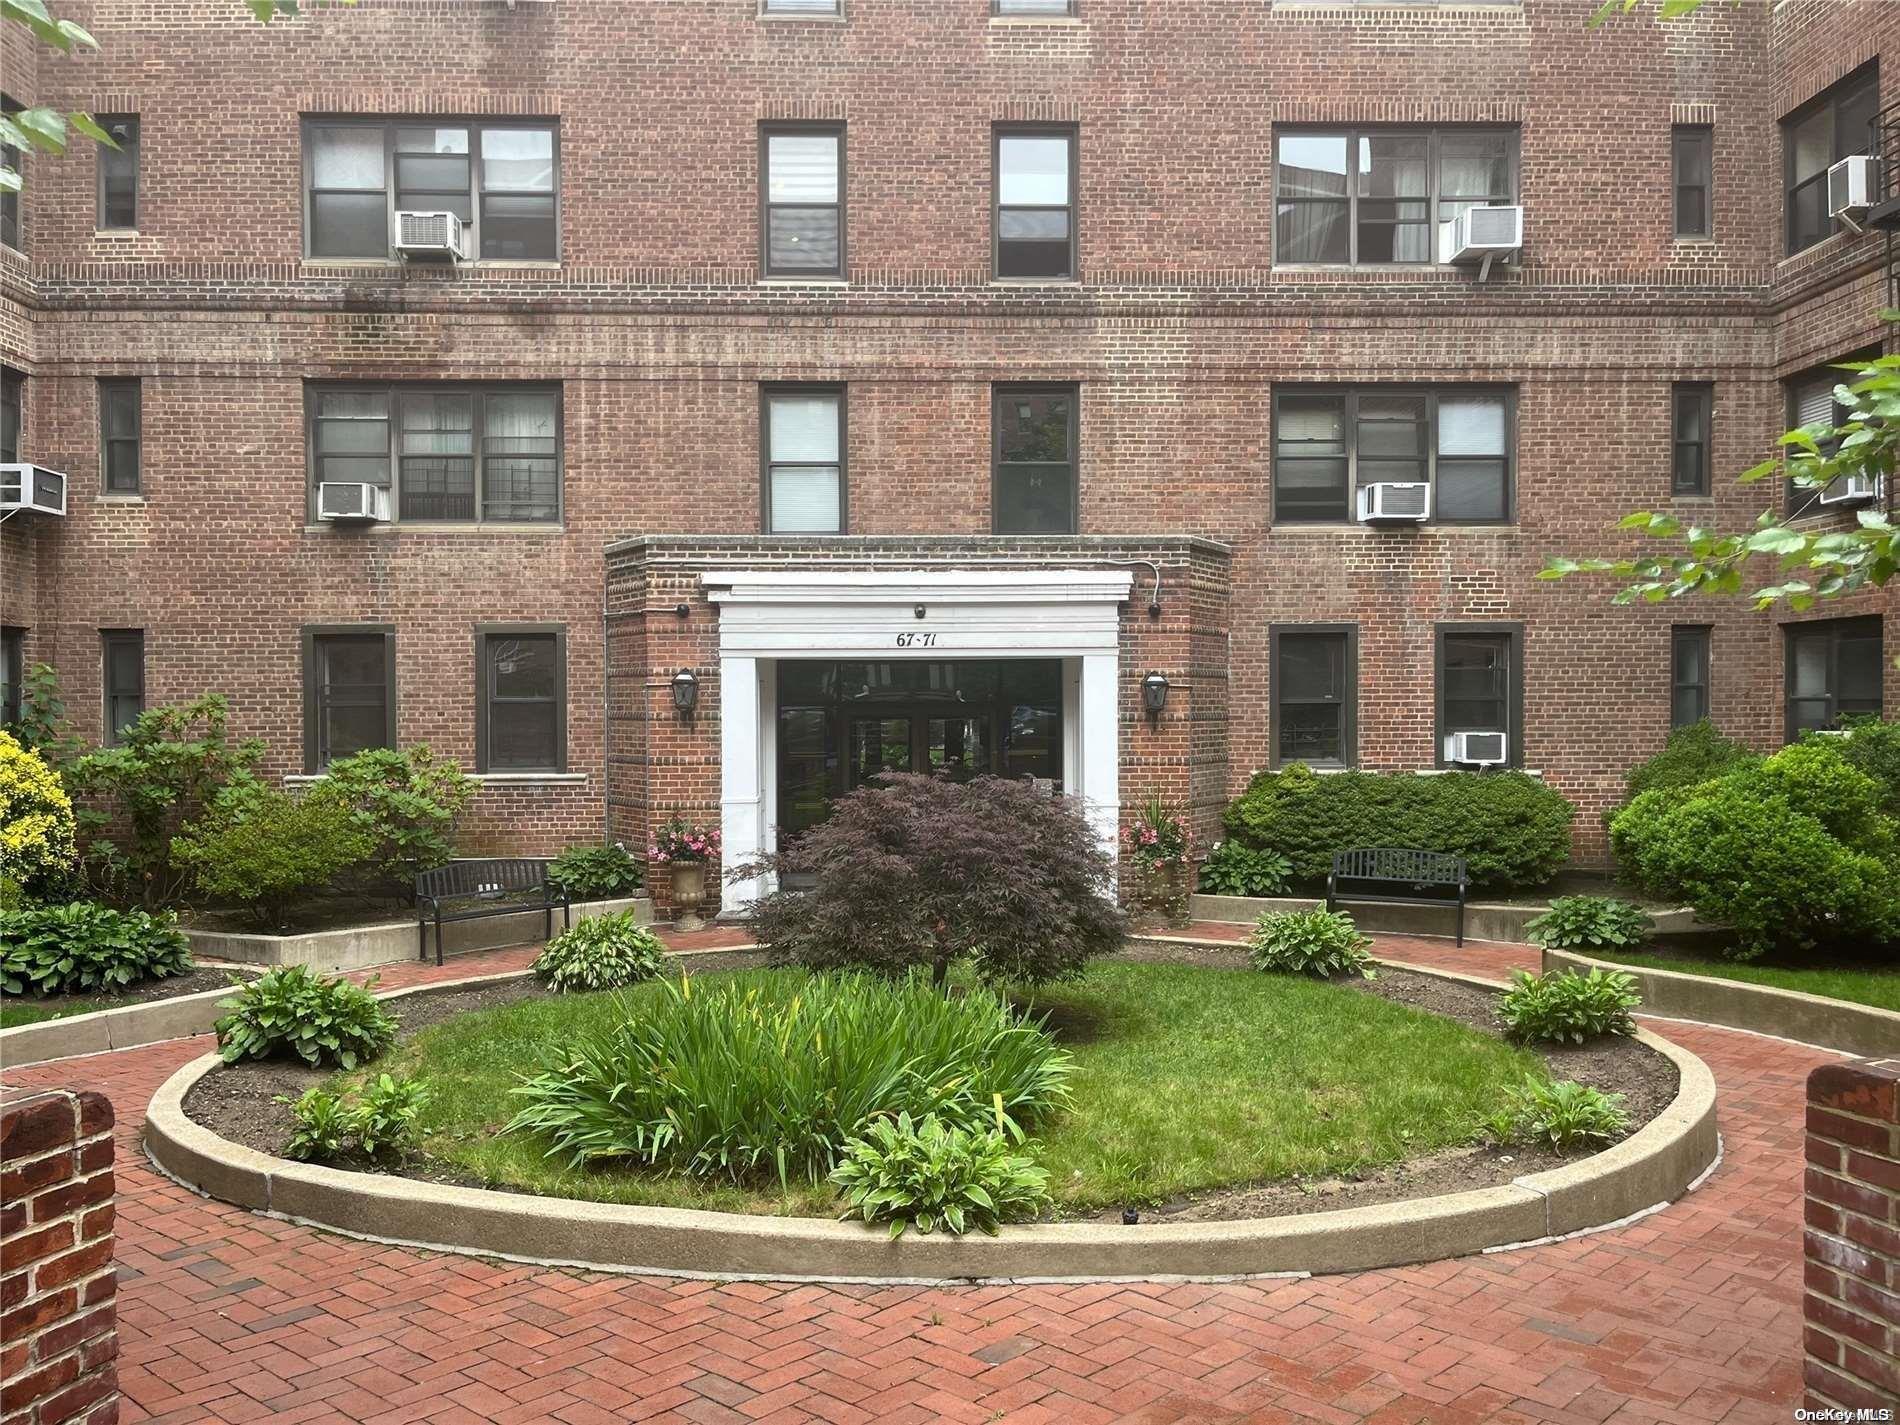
(766, 1078)
(1310, 942)
(935, 1174)
(602, 952)
(1591, 923)
(1565, 1007)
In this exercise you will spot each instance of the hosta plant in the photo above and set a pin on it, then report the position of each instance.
(291, 1011)
(603, 952)
(86, 947)
(1235, 870)
(595, 872)
(323, 1126)
(1591, 923)
(1566, 1007)
(1310, 942)
(384, 1119)
(935, 1174)
(1561, 1116)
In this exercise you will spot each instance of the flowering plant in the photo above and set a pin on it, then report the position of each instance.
(681, 841)
(1157, 837)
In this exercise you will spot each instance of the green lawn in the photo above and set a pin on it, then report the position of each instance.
(1185, 1078)
(1880, 988)
(14, 1013)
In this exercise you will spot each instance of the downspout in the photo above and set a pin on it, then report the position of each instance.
(606, 712)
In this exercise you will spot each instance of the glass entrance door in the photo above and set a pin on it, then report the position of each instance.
(879, 745)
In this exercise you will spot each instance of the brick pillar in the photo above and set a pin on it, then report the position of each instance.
(1853, 1235)
(59, 1339)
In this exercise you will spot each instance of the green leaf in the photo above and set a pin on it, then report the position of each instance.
(45, 129)
(86, 125)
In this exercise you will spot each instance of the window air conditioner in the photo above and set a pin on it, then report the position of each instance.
(1478, 749)
(438, 236)
(1391, 503)
(1853, 185)
(1479, 234)
(1856, 489)
(31, 487)
(351, 502)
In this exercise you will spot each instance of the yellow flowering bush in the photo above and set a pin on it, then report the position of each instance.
(36, 816)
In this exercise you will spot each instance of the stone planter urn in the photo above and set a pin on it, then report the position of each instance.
(689, 894)
(1159, 895)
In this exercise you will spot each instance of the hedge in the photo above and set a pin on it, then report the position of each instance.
(1512, 830)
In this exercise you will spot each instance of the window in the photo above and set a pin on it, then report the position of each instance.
(798, 7)
(10, 157)
(12, 414)
(1834, 126)
(349, 692)
(1689, 674)
(1834, 671)
(804, 201)
(1693, 150)
(521, 702)
(12, 674)
(120, 418)
(1032, 7)
(1694, 408)
(1035, 203)
(1811, 406)
(1314, 676)
(1329, 442)
(454, 453)
(501, 179)
(119, 173)
(123, 652)
(1479, 688)
(803, 456)
(1352, 197)
(1033, 486)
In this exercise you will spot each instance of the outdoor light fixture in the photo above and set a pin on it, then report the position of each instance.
(1154, 694)
(685, 691)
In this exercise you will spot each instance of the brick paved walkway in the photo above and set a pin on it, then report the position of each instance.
(1691, 1315)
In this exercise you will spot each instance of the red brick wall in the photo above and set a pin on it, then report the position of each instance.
(58, 1326)
(1853, 1235)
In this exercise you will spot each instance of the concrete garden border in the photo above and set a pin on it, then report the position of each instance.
(362, 947)
(1484, 920)
(1659, 1162)
(101, 1031)
(1852, 1028)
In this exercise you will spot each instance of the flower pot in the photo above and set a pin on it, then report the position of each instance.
(689, 894)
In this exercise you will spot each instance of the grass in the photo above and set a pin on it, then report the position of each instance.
(1185, 1078)
(1879, 988)
(14, 1013)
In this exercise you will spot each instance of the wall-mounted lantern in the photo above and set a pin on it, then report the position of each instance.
(685, 691)
(1154, 694)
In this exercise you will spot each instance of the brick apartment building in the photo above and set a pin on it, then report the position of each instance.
(914, 378)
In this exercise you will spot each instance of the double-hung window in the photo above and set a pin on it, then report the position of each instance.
(500, 178)
(1329, 442)
(349, 692)
(1694, 403)
(1811, 406)
(1313, 674)
(803, 458)
(1836, 125)
(1035, 203)
(1692, 160)
(1033, 486)
(804, 200)
(1353, 196)
(10, 227)
(456, 453)
(1480, 685)
(1688, 674)
(121, 417)
(12, 674)
(122, 659)
(521, 700)
(1834, 670)
(12, 414)
(119, 173)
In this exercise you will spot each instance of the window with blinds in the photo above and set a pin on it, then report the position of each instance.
(802, 455)
(803, 201)
(1328, 442)
(1812, 407)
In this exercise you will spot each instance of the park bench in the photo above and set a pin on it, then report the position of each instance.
(1395, 876)
(475, 890)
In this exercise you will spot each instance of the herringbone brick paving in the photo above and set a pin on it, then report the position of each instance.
(1689, 1315)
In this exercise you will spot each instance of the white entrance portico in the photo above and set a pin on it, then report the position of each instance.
(768, 615)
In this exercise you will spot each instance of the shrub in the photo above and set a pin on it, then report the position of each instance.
(1310, 942)
(406, 801)
(603, 952)
(323, 1128)
(768, 1076)
(934, 1174)
(1511, 829)
(1590, 922)
(266, 850)
(1695, 753)
(1235, 870)
(1563, 1006)
(42, 726)
(72, 949)
(170, 766)
(1874, 748)
(36, 819)
(1559, 1116)
(595, 872)
(923, 871)
(1795, 852)
(384, 1121)
(290, 1010)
